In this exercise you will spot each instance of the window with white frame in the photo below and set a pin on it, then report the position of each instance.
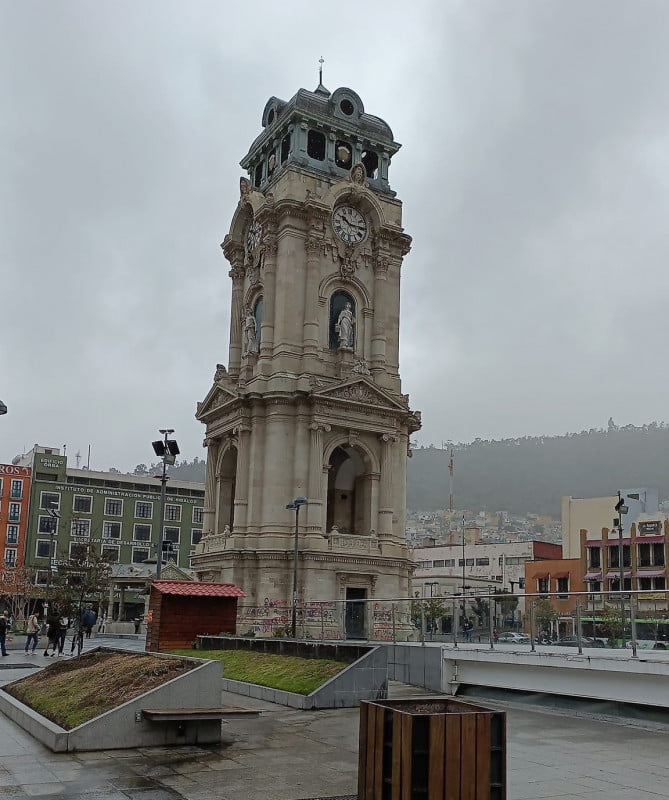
(16, 491)
(142, 533)
(41, 577)
(198, 515)
(12, 534)
(43, 548)
(47, 524)
(14, 512)
(81, 528)
(449, 562)
(113, 507)
(111, 530)
(78, 551)
(10, 556)
(143, 510)
(196, 535)
(542, 585)
(111, 553)
(173, 513)
(594, 557)
(171, 535)
(49, 500)
(139, 555)
(82, 504)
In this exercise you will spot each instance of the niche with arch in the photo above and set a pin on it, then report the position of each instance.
(337, 324)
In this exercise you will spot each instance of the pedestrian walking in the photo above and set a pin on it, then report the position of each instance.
(61, 634)
(32, 629)
(4, 626)
(51, 635)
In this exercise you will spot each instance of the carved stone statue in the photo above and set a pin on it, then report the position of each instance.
(344, 326)
(360, 367)
(250, 334)
(220, 373)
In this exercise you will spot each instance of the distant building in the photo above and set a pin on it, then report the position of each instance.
(498, 566)
(14, 505)
(119, 514)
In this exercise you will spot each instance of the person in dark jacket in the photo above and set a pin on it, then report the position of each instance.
(4, 625)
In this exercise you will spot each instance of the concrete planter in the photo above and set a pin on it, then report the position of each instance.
(366, 678)
(125, 726)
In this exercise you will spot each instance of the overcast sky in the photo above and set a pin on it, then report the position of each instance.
(534, 174)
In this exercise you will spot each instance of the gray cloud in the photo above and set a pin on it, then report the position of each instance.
(533, 172)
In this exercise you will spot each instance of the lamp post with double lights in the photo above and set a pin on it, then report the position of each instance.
(295, 505)
(168, 450)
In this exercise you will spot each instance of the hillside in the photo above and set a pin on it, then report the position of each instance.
(532, 474)
(529, 474)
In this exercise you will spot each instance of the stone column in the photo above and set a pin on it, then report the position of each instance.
(316, 507)
(385, 529)
(235, 255)
(209, 510)
(241, 499)
(378, 354)
(311, 307)
(269, 290)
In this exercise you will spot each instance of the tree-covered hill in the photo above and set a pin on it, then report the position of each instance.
(533, 473)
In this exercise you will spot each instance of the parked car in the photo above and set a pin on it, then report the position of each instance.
(648, 644)
(586, 641)
(511, 637)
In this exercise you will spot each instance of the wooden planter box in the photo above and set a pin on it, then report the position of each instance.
(431, 748)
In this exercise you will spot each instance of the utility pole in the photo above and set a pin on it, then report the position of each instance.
(621, 508)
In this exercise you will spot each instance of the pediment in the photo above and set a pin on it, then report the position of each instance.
(217, 397)
(361, 392)
(172, 572)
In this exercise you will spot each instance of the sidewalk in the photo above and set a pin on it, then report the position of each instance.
(291, 755)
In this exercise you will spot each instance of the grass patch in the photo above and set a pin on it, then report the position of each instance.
(75, 691)
(290, 673)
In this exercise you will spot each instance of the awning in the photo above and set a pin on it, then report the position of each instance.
(559, 574)
(593, 543)
(540, 576)
(615, 540)
(657, 573)
(617, 575)
(592, 576)
(641, 539)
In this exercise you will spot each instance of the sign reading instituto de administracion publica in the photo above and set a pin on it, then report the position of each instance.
(310, 403)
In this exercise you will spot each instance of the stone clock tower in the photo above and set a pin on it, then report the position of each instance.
(310, 404)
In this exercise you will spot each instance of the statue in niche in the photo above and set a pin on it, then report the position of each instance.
(226, 530)
(344, 327)
(250, 333)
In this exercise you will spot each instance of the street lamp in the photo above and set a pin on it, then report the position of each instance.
(621, 508)
(295, 505)
(168, 450)
(55, 516)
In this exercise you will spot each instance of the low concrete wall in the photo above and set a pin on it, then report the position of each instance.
(365, 677)
(125, 726)
(597, 674)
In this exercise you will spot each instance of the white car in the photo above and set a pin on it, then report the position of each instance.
(511, 637)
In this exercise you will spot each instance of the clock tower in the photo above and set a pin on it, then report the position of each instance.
(310, 405)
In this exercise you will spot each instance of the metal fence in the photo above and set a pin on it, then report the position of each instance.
(582, 620)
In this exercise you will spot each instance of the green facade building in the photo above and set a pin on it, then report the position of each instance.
(119, 514)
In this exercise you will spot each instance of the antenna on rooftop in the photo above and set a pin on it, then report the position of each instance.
(321, 61)
(451, 470)
(77, 455)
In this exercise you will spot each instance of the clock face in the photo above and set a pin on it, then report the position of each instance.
(253, 236)
(349, 224)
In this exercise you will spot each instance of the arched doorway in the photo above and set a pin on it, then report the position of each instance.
(226, 480)
(349, 492)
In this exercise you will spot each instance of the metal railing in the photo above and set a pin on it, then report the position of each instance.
(580, 620)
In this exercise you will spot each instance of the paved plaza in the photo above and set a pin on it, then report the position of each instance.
(290, 755)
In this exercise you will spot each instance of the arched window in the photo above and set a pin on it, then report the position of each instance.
(342, 321)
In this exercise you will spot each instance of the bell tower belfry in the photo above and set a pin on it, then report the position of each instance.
(310, 404)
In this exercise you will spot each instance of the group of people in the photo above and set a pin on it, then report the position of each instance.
(57, 627)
